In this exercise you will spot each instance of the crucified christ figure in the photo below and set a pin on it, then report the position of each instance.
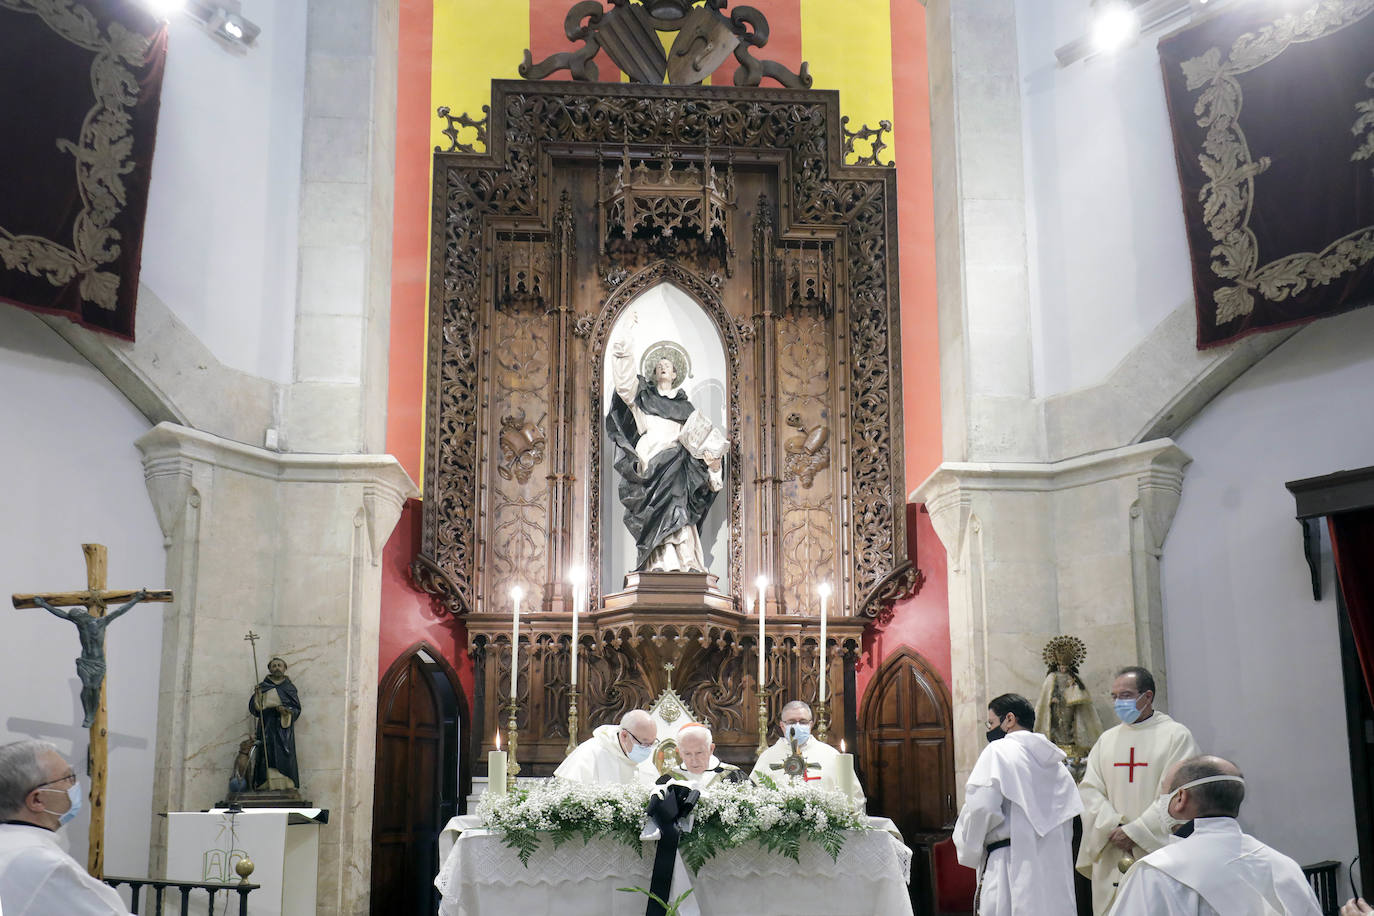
(90, 666)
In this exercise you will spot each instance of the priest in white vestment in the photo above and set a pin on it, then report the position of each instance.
(1122, 809)
(1016, 826)
(616, 754)
(1218, 870)
(39, 794)
(822, 760)
(701, 767)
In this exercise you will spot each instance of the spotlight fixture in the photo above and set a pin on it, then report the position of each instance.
(1117, 23)
(222, 20)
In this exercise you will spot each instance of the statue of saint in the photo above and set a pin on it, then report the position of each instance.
(275, 706)
(1064, 711)
(669, 457)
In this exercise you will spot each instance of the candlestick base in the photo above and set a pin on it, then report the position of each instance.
(572, 720)
(822, 717)
(512, 733)
(763, 720)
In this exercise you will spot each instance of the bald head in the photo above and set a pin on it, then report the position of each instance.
(637, 727)
(1213, 799)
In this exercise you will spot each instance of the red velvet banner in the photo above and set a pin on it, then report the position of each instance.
(79, 99)
(1272, 109)
(1352, 548)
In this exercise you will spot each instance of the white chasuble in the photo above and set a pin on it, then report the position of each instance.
(1121, 788)
(600, 760)
(1020, 791)
(822, 764)
(1218, 871)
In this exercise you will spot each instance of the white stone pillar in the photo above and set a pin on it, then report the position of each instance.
(290, 546)
(1040, 549)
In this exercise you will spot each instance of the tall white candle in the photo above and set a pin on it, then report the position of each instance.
(824, 589)
(516, 593)
(577, 577)
(762, 583)
(496, 768)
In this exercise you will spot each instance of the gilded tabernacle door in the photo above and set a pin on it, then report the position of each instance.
(663, 350)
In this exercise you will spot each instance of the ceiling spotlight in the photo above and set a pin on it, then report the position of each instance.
(165, 9)
(1114, 26)
(233, 29)
(225, 23)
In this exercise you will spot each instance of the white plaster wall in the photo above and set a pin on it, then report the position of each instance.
(70, 475)
(1108, 255)
(1254, 662)
(223, 208)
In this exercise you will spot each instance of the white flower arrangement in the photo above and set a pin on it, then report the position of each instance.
(727, 815)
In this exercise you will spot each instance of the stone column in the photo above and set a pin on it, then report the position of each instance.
(289, 546)
(1040, 549)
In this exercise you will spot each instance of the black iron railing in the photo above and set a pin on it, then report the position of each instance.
(158, 888)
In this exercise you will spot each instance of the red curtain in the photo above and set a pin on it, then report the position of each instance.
(1352, 546)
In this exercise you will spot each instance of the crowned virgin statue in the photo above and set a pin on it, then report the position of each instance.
(669, 456)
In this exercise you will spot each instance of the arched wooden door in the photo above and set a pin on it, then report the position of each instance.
(417, 783)
(908, 745)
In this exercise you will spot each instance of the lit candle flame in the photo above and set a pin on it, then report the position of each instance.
(577, 575)
(498, 741)
(516, 593)
(824, 589)
(841, 745)
(761, 582)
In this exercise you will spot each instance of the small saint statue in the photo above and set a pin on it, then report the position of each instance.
(670, 459)
(1064, 711)
(275, 706)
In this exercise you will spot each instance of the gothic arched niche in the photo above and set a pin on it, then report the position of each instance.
(665, 318)
(734, 208)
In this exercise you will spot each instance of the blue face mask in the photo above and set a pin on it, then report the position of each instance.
(1126, 710)
(73, 794)
(799, 731)
(638, 753)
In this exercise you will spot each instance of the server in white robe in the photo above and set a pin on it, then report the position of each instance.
(1016, 826)
(615, 754)
(1122, 809)
(39, 794)
(1218, 870)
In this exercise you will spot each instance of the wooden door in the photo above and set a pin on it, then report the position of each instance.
(908, 745)
(416, 783)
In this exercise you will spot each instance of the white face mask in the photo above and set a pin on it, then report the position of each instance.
(1169, 796)
(638, 753)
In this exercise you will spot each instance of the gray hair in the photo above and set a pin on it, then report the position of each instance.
(794, 706)
(20, 773)
(694, 731)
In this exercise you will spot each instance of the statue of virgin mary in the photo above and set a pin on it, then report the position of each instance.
(670, 458)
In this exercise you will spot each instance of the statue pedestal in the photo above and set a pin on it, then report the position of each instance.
(668, 591)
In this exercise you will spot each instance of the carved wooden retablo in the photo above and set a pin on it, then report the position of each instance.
(541, 239)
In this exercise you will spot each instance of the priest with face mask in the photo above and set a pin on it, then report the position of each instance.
(1123, 814)
(1016, 826)
(615, 754)
(822, 760)
(1217, 870)
(39, 795)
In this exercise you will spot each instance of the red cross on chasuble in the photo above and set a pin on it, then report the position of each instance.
(1131, 763)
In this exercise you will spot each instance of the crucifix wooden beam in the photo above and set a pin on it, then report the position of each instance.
(88, 614)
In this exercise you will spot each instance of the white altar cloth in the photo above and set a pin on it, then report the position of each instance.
(482, 876)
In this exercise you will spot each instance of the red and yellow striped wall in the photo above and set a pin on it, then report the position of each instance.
(872, 51)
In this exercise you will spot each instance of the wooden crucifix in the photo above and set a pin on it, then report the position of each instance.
(87, 612)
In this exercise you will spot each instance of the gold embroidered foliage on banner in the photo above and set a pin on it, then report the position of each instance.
(1365, 122)
(103, 154)
(1227, 197)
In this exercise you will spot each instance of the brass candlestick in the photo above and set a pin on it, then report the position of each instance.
(823, 720)
(512, 730)
(572, 720)
(763, 720)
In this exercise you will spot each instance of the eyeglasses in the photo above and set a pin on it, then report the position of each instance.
(71, 775)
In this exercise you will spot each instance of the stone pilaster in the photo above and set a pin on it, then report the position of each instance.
(287, 545)
(1039, 549)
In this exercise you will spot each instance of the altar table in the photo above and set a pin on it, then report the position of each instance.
(482, 876)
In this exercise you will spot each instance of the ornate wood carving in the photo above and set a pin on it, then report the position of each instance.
(628, 32)
(522, 304)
